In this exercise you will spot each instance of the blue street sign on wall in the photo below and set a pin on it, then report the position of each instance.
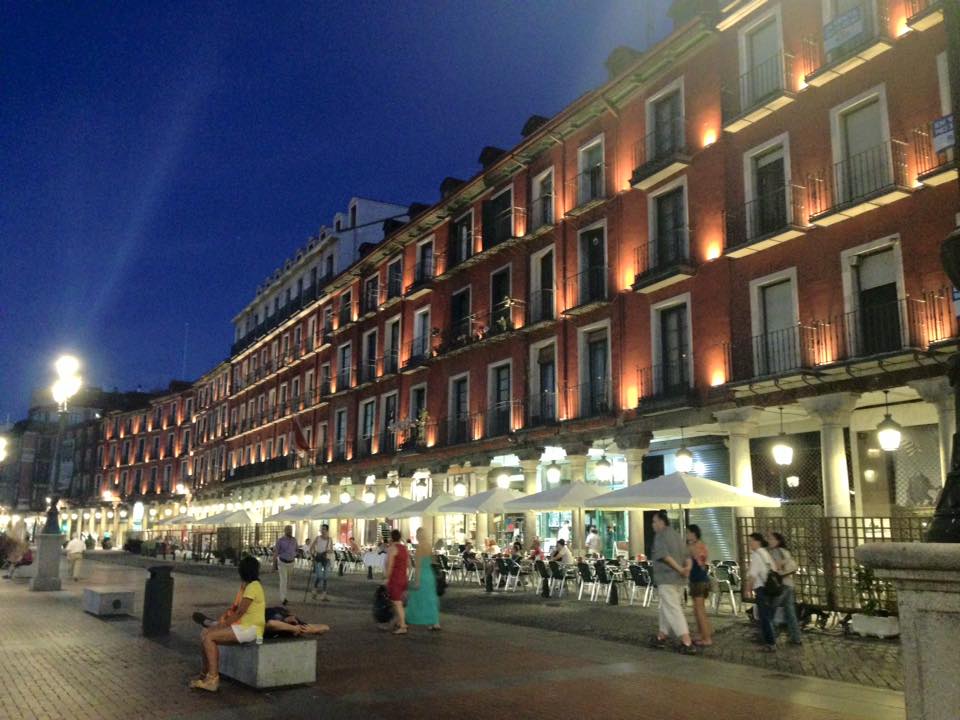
(843, 29)
(943, 134)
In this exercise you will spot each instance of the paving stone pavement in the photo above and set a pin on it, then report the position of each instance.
(58, 662)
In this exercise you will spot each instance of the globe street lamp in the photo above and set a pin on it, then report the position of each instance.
(66, 385)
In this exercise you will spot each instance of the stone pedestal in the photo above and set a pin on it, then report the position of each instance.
(927, 580)
(48, 563)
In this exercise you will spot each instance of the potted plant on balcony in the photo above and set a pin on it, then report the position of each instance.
(872, 620)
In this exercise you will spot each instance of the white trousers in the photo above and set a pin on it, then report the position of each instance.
(284, 570)
(672, 620)
(75, 563)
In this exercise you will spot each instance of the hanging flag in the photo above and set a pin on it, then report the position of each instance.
(300, 437)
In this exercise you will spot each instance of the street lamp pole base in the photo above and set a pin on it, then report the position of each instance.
(48, 563)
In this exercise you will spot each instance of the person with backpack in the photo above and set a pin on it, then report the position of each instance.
(787, 567)
(765, 583)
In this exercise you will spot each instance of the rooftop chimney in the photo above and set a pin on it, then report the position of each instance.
(533, 123)
(620, 59)
(489, 155)
(449, 186)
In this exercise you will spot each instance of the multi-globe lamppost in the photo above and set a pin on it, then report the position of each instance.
(66, 385)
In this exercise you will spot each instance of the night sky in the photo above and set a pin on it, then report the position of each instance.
(159, 160)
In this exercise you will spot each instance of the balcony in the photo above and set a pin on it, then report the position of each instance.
(590, 188)
(264, 467)
(323, 452)
(936, 163)
(345, 378)
(846, 42)
(365, 445)
(342, 450)
(665, 385)
(542, 409)
(391, 362)
(502, 227)
(590, 399)
(481, 326)
(368, 371)
(459, 429)
(760, 91)
(924, 14)
(540, 218)
(423, 274)
(370, 300)
(459, 250)
(394, 288)
(541, 308)
(387, 442)
(323, 390)
(766, 221)
(416, 351)
(661, 154)
(858, 184)
(588, 289)
(345, 315)
(502, 417)
(907, 325)
(664, 262)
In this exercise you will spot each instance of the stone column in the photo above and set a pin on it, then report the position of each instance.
(483, 520)
(937, 392)
(578, 473)
(833, 412)
(529, 468)
(48, 563)
(438, 485)
(634, 457)
(927, 580)
(739, 424)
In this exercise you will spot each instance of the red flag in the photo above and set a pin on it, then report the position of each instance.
(299, 437)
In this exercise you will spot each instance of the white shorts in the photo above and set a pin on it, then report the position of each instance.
(244, 633)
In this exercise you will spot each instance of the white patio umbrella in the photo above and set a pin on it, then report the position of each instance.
(228, 518)
(297, 512)
(489, 501)
(181, 520)
(681, 491)
(423, 508)
(572, 496)
(386, 509)
(339, 511)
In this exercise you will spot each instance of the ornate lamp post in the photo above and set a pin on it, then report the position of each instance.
(66, 385)
(946, 518)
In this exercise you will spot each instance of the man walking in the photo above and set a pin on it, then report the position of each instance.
(74, 551)
(320, 550)
(671, 566)
(284, 553)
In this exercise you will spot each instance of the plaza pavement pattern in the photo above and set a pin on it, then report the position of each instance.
(58, 662)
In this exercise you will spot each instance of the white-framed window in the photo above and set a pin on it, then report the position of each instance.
(499, 415)
(762, 70)
(775, 323)
(864, 24)
(368, 367)
(340, 434)
(420, 348)
(543, 292)
(542, 199)
(672, 340)
(862, 151)
(418, 401)
(665, 122)
(592, 263)
(346, 307)
(543, 381)
(458, 409)
(344, 366)
(668, 224)
(461, 239)
(389, 414)
(368, 416)
(461, 322)
(501, 305)
(425, 266)
(594, 370)
(590, 166)
(767, 190)
(295, 391)
(497, 220)
(874, 297)
(395, 278)
(371, 293)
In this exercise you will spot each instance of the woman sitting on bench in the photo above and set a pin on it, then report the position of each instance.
(242, 623)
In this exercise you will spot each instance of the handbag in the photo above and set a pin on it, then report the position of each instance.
(773, 585)
(441, 579)
(382, 607)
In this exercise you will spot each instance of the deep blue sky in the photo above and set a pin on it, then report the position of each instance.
(158, 160)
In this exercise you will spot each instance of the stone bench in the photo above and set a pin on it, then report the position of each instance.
(275, 663)
(104, 602)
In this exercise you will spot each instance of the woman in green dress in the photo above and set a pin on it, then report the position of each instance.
(423, 605)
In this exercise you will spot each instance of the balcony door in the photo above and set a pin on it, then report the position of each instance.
(667, 135)
(541, 299)
(593, 266)
(391, 346)
(500, 319)
(460, 317)
(858, 21)
(865, 165)
(670, 246)
(598, 373)
(673, 350)
(763, 75)
(776, 349)
(769, 204)
(878, 305)
(389, 442)
(545, 382)
(459, 410)
(500, 396)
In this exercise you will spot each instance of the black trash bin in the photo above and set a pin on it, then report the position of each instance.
(158, 601)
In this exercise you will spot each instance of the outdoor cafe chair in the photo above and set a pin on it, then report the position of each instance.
(603, 580)
(728, 587)
(558, 575)
(642, 581)
(586, 578)
(472, 567)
